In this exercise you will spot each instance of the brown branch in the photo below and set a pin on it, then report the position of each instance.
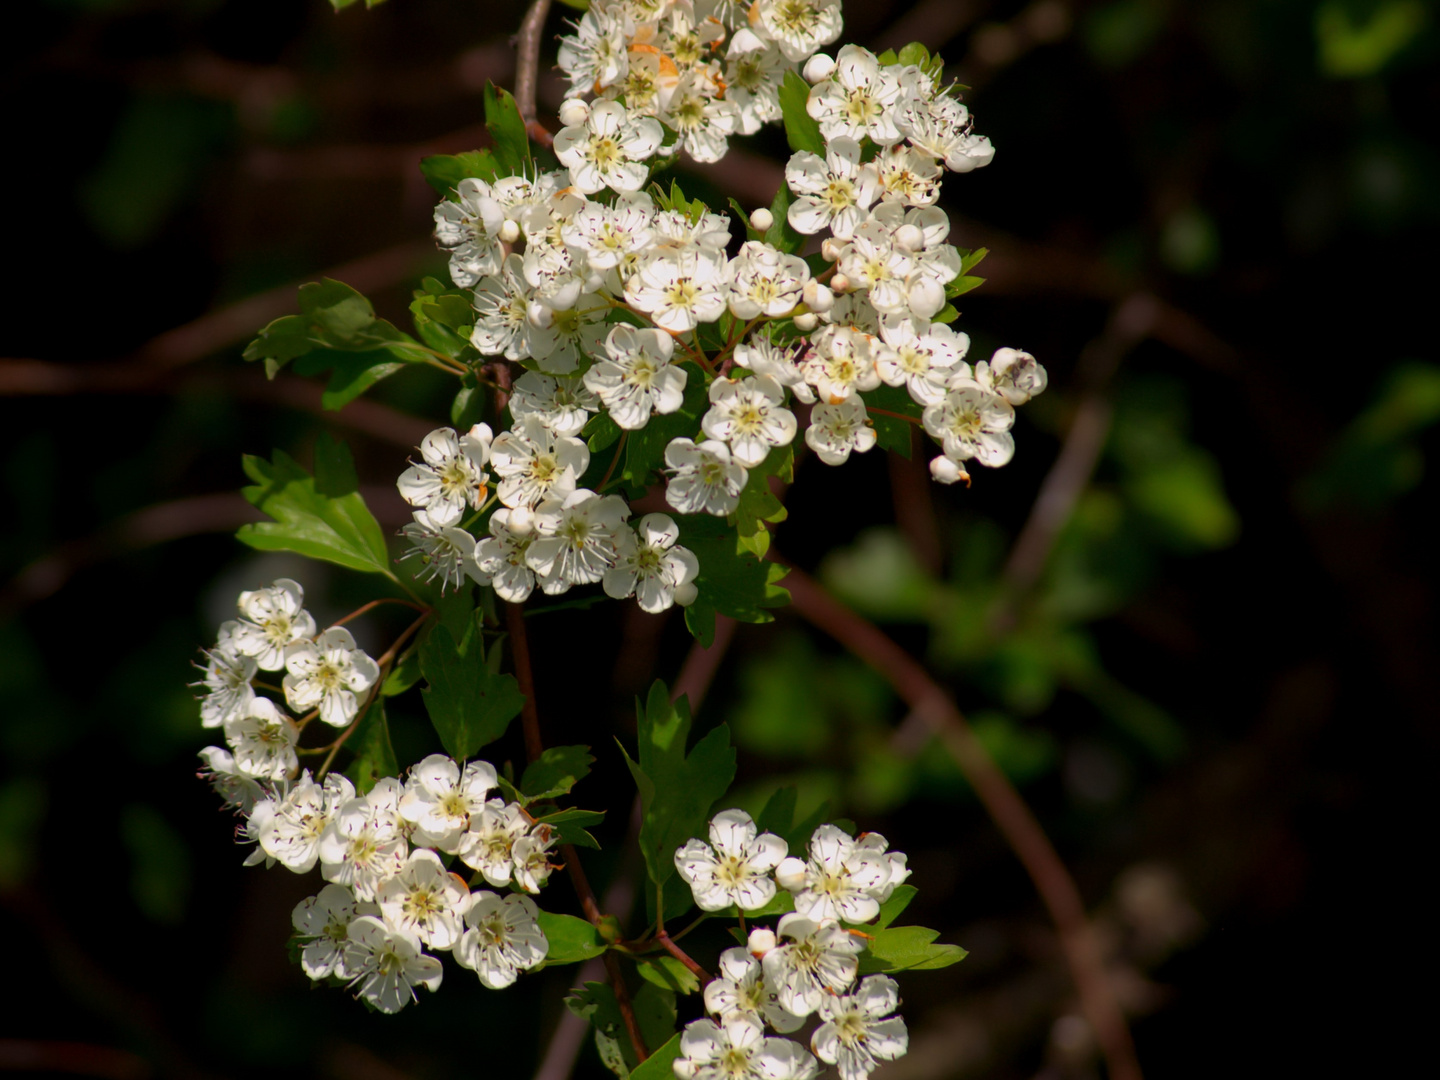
(701, 664)
(529, 713)
(1014, 819)
(527, 60)
(680, 954)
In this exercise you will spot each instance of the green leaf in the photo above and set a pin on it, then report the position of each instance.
(403, 675)
(676, 789)
(351, 373)
(322, 517)
(948, 314)
(660, 1065)
(891, 909)
(655, 1013)
(669, 973)
(893, 433)
(802, 130)
(444, 319)
(758, 504)
(779, 812)
(600, 431)
(469, 705)
(908, 948)
(968, 261)
(571, 824)
(739, 584)
(502, 120)
(571, 939)
(444, 172)
(595, 1003)
(555, 772)
(645, 449)
(914, 53)
(374, 756)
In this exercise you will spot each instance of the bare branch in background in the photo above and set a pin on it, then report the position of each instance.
(527, 68)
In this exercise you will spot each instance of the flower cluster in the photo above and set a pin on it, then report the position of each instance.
(807, 965)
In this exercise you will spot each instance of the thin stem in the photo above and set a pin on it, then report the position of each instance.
(619, 449)
(680, 954)
(529, 715)
(527, 61)
(697, 921)
(374, 604)
(898, 416)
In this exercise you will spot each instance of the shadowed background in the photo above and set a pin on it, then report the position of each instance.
(1210, 669)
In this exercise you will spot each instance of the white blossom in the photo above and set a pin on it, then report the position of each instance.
(263, 739)
(608, 149)
(652, 567)
(940, 127)
(502, 324)
(235, 788)
(534, 463)
(1014, 375)
(815, 960)
(271, 618)
(836, 430)
(739, 1049)
(679, 291)
(739, 989)
(290, 832)
(228, 674)
(972, 421)
(324, 921)
(424, 899)
(833, 191)
(750, 416)
(596, 55)
(503, 939)
(754, 72)
(562, 403)
(531, 858)
(328, 674)
(637, 378)
(501, 556)
(858, 100)
(734, 868)
(364, 844)
(799, 27)
(764, 357)
(843, 879)
(705, 480)
(922, 357)
(451, 475)
(487, 842)
(606, 237)
(446, 552)
(859, 1031)
(907, 176)
(469, 228)
(577, 541)
(439, 799)
(386, 964)
(841, 361)
(703, 121)
(763, 281)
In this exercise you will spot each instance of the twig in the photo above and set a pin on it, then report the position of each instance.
(363, 608)
(527, 60)
(1018, 825)
(680, 954)
(529, 713)
(610, 470)
(701, 663)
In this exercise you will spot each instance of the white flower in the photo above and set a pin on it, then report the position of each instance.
(637, 378)
(709, 236)
(290, 833)
(596, 54)
(817, 959)
(271, 619)
(470, 230)
(364, 845)
(858, 1029)
(737, 869)
(841, 362)
(424, 899)
(940, 127)
(534, 463)
(606, 236)
(922, 357)
(227, 677)
(325, 920)
(739, 1049)
(259, 817)
(703, 121)
(503, 939)
(843, 879)
(608, 149)
(799, 27)
(766, 358)
(972, 421)
(872, 260)
(502, 306)
(501, 557)
(562, 404)
(858, 100)
(263, 739)
(836, 430)
(233, 786)
(531, 856)
(451, 475)
(679, 291)
(833, 192)
(945, 471)
(750, 416)
(739, 989)
(705, 479)
(754, 71)
(907, 175)
(487, 842)
(763, 281)
(387, 964)
(327, 674)
(1014, 375)
(652, 566)
(577, 539)
(439, 799)
(447, 552)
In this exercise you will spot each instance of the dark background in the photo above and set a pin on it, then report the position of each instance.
(1219, 697)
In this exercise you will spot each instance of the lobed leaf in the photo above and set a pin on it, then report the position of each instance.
(374, 754)
(444, 172)
(555, 772)
(668, 973)
(733, 582)
(503, 121)
(469, 705)
(907, 948)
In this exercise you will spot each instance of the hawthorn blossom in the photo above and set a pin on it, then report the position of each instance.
(487, 842)
(858, 100)
(859, 1031)
(817, 959)
(439, 799)
(836, 430)
(679, 291)
(263, 739)
(324, 922)
(451, 475)
(228, 674)
(446, 552)
(235, 788)
(501, 555)
(922, 357)
(289, 832)
(652, 567)
(534, 463)
(799, 27)
(1014, 375)
(940, 126)
(841, 361)
(502, 323)
(469, 228)
(424, 899)
(562, 403)
(763, 281)
(386, 964)
(734, 868)
(907, 176)
(596, 55)
(843, 879)
(706, 480)
(606, 237)
(750, 416)
(833, 191)
(608, 149)
(754, 72)
(972, 421)
(738, 1049)
(271, 618)
(328, 674)
(364, 845)
(531, 858)
(703, 121)
(503, 939)
(637, 378)
(739, 989)
(766, 358)
(577, 541)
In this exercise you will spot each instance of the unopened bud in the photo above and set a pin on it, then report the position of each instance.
(509, 232)
(790, 874)
(539, 316)
(806, 322)
(926, 296)
(818, 67)
(522, 520)
(909, 237)
(818, 298)
(762, 220)
(946, 470)
(573, 111)
(840, 283)
(761, 941)
(829, 249)
(685, 593)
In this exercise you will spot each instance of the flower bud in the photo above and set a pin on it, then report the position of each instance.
(509, 232)
(818, 67)
(806, 322)
(926, 296)
(762, 220)
(522, 520)
(909, 237)
(539, 316)
(840, 284)
(944, 470)
(790, 874)
(762, 940)
(818, 298)
(685, 593)
(574, 111)
(829, 249)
